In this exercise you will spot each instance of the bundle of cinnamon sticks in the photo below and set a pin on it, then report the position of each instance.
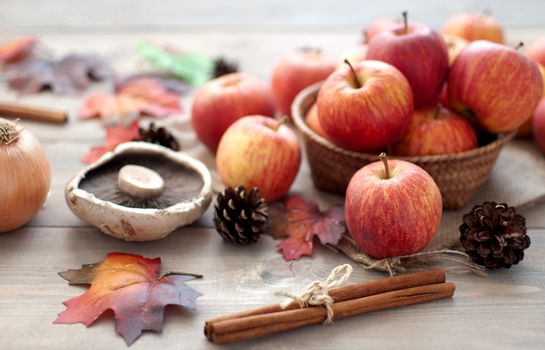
(352, 300)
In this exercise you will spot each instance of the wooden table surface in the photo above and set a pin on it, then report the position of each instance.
(505, 310)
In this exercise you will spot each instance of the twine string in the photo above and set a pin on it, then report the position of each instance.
(317, 293)
(460, 261)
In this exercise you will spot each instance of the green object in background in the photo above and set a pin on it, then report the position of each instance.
(192, 68)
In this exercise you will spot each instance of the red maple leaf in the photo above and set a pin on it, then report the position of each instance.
(115, 135)
(302, 221)
(128, 285)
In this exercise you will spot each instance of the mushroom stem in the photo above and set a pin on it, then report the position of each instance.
(140, 182)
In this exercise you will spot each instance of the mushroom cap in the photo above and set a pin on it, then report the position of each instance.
(138, 224)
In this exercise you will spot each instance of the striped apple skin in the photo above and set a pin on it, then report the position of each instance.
(395, 216)
(432, 132)
(297, 70)
(224, 100)
(474, 26)
(420, 53)
(495, 83)
(252, 153)
(366, 118)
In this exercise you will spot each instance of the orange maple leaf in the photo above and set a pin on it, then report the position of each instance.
(17, 50)
(128, 285)
(136, 97)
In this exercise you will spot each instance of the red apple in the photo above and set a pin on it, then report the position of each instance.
(539, 125)
(474, 26)
(365, 107)
(443, 96)
(526, 129)
(496, 84)
(313, 122)
(354, 54)
(259, 151)
(296, 71)
(392, 208)
(419, 53)
(378, 26)
(222, 101)
(434, 131)
(536, 51)
(455, 45)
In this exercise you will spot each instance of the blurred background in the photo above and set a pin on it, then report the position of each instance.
(128, 15)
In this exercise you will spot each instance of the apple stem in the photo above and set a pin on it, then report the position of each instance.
(437, 110)
(520, 44)
(405, 15)
(365, 37)
(384, 159)
(280, 122)
(486, 13)
(356, 80)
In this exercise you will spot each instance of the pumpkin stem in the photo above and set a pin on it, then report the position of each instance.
(8, 132)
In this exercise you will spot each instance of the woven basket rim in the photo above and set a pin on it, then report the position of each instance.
(300, 123)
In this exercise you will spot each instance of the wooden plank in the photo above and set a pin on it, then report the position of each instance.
(136, 14)
(238, 277)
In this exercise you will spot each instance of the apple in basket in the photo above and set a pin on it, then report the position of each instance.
(536, 51)
(539, 125)
(297, 70)
(526, 128)
(259, 151)
(313, 122)
(474, 26)
(392, 208)
(419, 52)
(378, 26)
(224, 100)
(354, 54)
(455, 45)
(434, 131)
(366, 106)
(495, 84)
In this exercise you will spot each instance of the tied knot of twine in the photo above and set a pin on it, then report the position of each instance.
(317, 293)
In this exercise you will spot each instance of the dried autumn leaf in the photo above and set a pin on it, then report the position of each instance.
(115, 135)
(301, 221)
(17, 50)
(69, 76)
(134, 97)
(128, 285)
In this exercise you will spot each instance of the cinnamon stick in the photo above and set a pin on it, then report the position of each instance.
(250, 327)
(355, 291)
(18, 110)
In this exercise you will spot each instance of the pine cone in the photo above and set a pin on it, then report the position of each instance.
(159, 136)
(494, 235)
(222, 66)
(240, 215)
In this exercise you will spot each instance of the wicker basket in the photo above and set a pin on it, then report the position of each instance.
(457, 175)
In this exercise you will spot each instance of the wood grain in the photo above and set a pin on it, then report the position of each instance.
(483, 311)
